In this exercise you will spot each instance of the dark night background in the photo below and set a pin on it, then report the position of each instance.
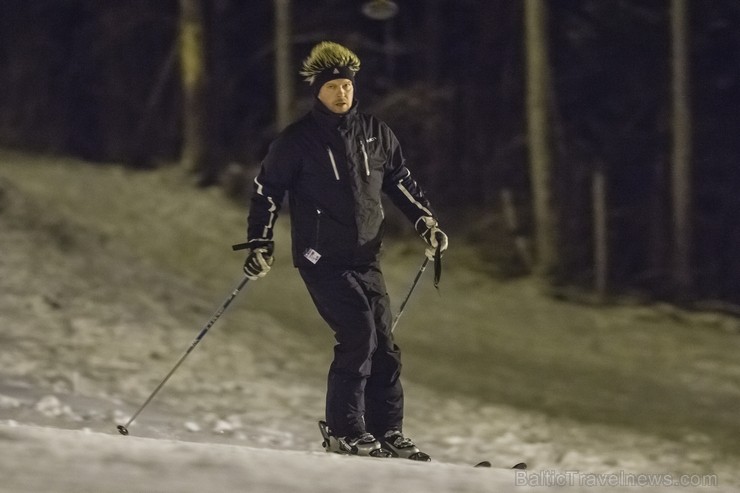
(99, 80)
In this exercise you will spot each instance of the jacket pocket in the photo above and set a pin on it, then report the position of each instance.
(365, 159)
(333, 162)
(321, 235)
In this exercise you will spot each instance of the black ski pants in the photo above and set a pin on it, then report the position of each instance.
(364, 390)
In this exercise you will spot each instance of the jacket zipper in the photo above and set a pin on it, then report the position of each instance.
(364, 157)
(333, 162)
(318, 228)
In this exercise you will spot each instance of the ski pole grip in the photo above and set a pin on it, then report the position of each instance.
(240, 246)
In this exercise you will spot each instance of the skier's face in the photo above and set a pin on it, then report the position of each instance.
(337, 95)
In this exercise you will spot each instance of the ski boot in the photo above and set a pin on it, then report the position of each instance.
(364, 444)
(399, 446)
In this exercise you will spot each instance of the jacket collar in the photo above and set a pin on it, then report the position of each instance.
(332, 121)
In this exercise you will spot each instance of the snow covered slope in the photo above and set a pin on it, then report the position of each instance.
(89, 325)
(36, 459)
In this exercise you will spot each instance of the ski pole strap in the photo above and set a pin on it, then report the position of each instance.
(438, 263)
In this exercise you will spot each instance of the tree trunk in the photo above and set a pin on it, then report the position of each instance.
(283, 69)
(539, 137)
(193, 77)
(430, 45)
(601, 232)
(659, 243)
(682, 232)
(521, 242)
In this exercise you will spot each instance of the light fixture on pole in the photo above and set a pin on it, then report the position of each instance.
(380, 10)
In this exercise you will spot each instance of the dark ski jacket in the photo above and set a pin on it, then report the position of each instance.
(334, 168)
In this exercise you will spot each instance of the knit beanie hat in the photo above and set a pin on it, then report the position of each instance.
(329, 61)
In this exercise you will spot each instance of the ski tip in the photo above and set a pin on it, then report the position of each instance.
(420, 457)
(485, 463)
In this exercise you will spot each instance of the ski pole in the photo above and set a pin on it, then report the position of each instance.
(408, 295)
(123, 429)
(437, 275)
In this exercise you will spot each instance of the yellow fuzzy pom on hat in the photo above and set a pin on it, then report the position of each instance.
(327, 61)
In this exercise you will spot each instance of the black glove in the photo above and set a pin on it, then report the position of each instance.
(428, 229)
(259, 258)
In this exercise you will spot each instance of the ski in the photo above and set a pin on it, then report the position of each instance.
(518, 465)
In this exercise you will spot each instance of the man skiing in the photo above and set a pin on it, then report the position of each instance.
(335, 162)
